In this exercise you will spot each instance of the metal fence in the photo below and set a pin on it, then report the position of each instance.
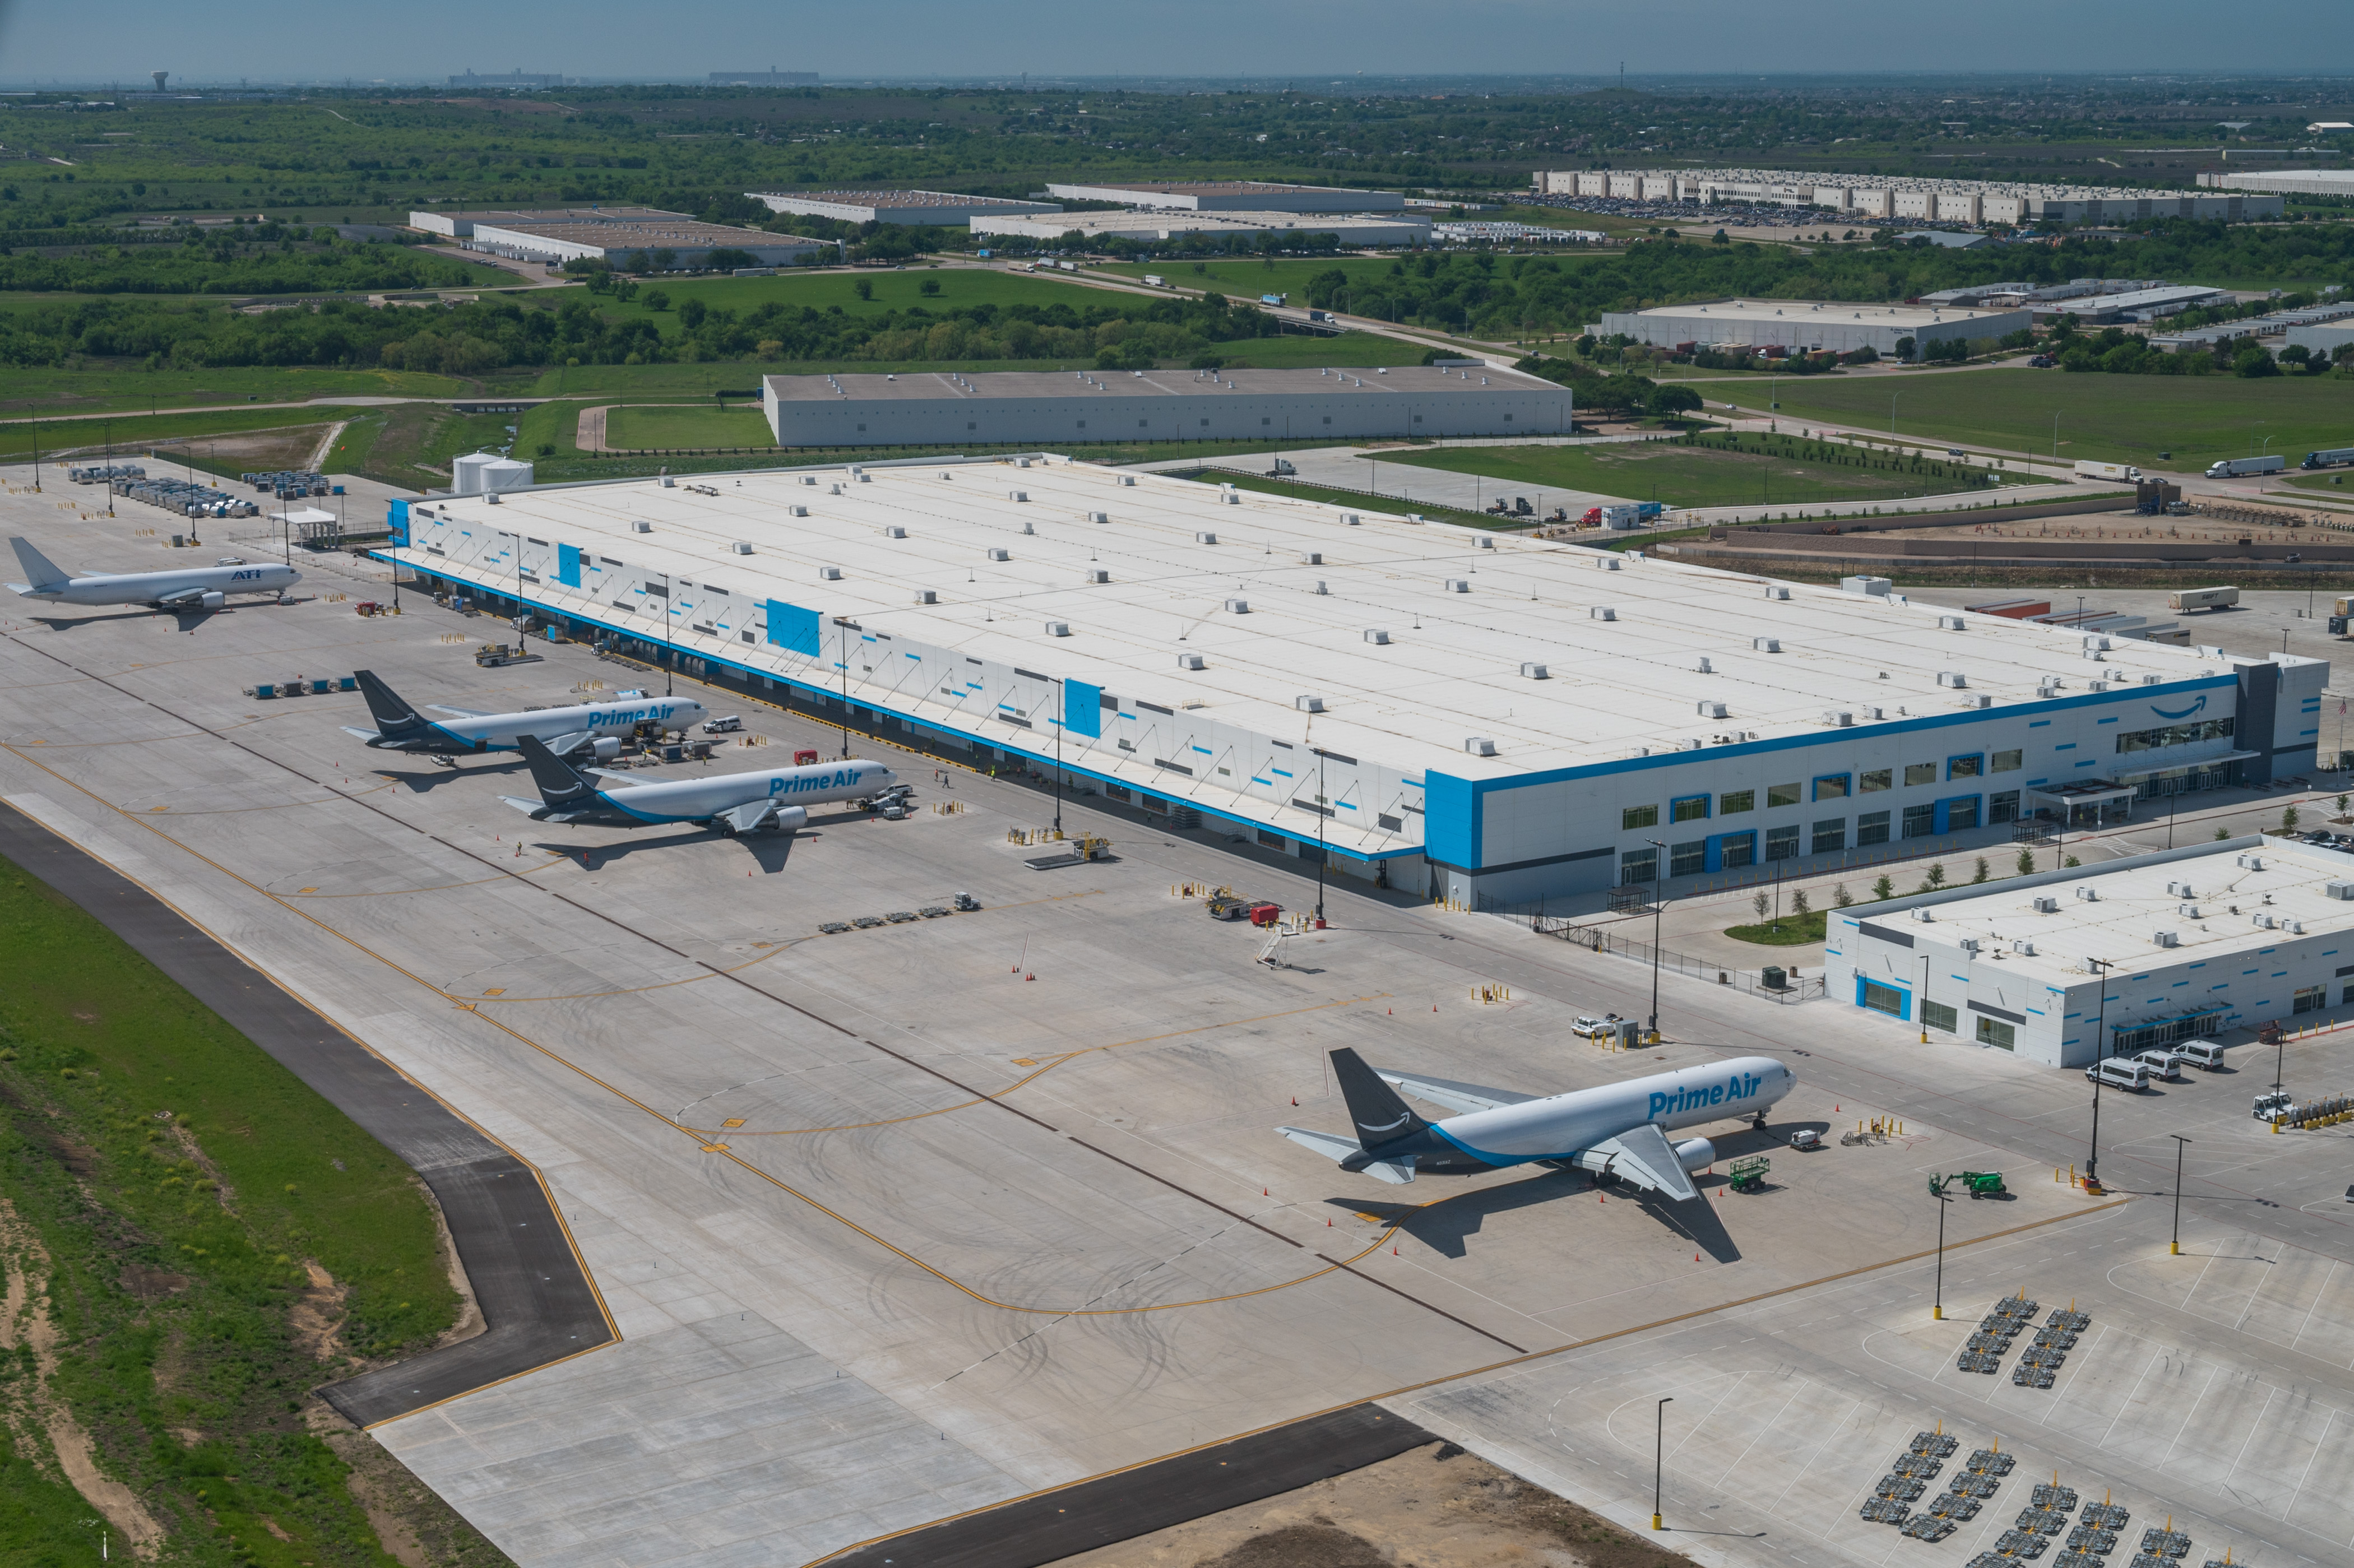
(1794, 988)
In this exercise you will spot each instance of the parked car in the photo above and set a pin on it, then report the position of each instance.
(729, 724)
(1594, 1028)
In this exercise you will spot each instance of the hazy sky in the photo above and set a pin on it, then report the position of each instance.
(102, 40)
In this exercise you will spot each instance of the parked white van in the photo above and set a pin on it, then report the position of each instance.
(2205, 1053)
(2163, 1064)
(2119, 1073)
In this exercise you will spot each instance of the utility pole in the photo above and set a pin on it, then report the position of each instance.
(2174, 1246)
(1660, 1460)
(2100, 968)
(1659, 906)
(1937, 1301)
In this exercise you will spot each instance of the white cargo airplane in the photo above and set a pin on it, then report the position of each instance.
(189, 587)
(598, 727)
(1617, 1129)
(732, 802)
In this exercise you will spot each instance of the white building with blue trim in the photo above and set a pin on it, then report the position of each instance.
(1505, 721)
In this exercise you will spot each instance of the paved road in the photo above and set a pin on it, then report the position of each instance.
(537, 1304)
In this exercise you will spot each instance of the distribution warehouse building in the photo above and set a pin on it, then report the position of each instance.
(1232, 196)
(941, 209)
(617, 236)
(1502, 719)
(1067, 407)
(1841, 327)
(1172, 223)
(2190, 942)
(1895, 199)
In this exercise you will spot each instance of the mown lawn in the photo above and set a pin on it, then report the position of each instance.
(31, 390)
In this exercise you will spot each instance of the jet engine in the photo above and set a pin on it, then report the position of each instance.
(213, 600)
(1696, 1154)
(789, 819)
(606, 747)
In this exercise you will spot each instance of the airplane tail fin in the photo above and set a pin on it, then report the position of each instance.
(45, 573)
(1381, 1117)
(394, 718)
(561, 788)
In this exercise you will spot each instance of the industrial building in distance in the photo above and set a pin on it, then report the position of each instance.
(2185, 943)
(618, 236)
(1231, 195)
(764, 79)
(505, 80)
(2290, 182)
(1051, 408)
(1503, 720)
(2093, 301)
(1163, 224)
(941, 209)
(1838, 326)
(1877, 199)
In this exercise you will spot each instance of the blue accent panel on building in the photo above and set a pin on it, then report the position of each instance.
(396, 519)
(1451, 818)
(567, 565)
(1083, 708)
(793, 629)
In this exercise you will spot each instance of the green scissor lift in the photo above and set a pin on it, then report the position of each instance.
(1748, 1173)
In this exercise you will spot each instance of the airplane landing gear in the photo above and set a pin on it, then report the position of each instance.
(1757, 1122)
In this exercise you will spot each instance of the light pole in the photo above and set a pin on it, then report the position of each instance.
(1892, 414)
(669, 654)
(845, 624)
(1660, 1460)
(1061, 715)
(2055, 436)
(1937, 1302)
(1659, 904)
(1323, 852)
(2174, 1246)
(2100, 968)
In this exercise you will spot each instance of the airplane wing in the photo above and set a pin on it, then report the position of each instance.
(752, 813)
(1643, 1156)
(185, 596)
(462, 713)
(20, 588)
(361, 734)
(616, 775)
(1459, 1097)
(1334, 1147)
(530, 808)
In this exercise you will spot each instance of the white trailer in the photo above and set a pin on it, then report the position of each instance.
(2115, 472)
(2202, 599)
(2233, 467)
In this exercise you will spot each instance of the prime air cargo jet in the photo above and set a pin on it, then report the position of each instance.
(1618, 1129)
(190, 588)
(594, 727)
(732, 802)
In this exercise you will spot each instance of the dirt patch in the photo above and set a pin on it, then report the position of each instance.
(1417, 1509)
(202, 1161)
(415, 1525)
(316, 1321)
(27, 1326)
(152, 1284)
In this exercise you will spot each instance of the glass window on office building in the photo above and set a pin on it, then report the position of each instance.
(1831, 788)
(1995, 1031)
(1691, 809)
(1740, 850)
(1962, 815)
(1881, 998)
(2309, 999)
(1638, 865)
(1782, 843)
(1872, 783)
(1920, 773)
(1920, 822)
(1872, 828)
(1735, 801)
(1782, 794)
(1830, 836)
(1634, 817)
(1938, 1016)
(1688, 860)
(1968, 767)
(2002, 807)
(2007, 761)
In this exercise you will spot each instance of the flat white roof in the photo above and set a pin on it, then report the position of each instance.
(1451, 668)
(1161, 223)
(1824, 310)
(2218, 917)
(1355, 381)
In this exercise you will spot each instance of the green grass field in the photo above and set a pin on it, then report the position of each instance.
(33, 391)
(960, 288)
(176, 1178)
(1723, 470)
(2109, 419)
(687, 426)
(132, 434)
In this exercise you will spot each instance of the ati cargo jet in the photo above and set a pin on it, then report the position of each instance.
(191, 587)
(731, 802)
(596, 727)
(1617, 1130)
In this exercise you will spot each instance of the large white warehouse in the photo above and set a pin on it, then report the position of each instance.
(1501, 719)
(2189, 942)
(1840, 326)
(1877, 199)
(936, 208)
(1231, 195)
(1067, 407)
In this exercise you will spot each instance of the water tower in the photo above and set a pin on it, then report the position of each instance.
(159, 77)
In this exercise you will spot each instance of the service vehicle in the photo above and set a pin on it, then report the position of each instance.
(1282, 469)
(966, 901)
(893, 811)
(2116, 473)
(2118, 1073)
(2273, 1104)
(2328, 457)
(2163, 1066)
(1808, 1138)
(726, 723)
(2238, 468)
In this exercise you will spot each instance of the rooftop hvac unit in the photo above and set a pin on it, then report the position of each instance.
(2046, 904)
(1536, 672)
(809, 479)
(1017, 496)
(855, 472)
(2335, 889)
(1479, 746)
(1690, 743)
(1976, 699)
(1838, 719)
(1776, 590)
(1876, 588)
(1321, 587)
(1767, 644)
(798, 511)
(1967, 944)
(1458, 585)
(642, 527)
(1923, 916)
(2250, 863)
(1350, 520)
(2089, 895)
(1127, 479)
(1872, 711)
(2095, 641)
(1000, 556)
(1608, 564)
(1705, 667)
(1952, 623)
(2047, 688)
(1098, 516)
(2152, 680)
(743, 547)
(1603, 613)
(2180, 890)
(1237, 607)
(2166, 938)
(2023, 945)
(1026, 528)
(2188, 911)
(1485, 543)
(1714, 710)
(1954, 678)
(831, 574)
(895, 532)
(928, 596)
(1058, 629)
(1189, 660)
(1205, 538)
(2261, 920)
(862, 477)
(1309, 705)
(1374, 635)
(1311, 557)
(1098, 575)
(2294, 927)
(1021, 463)
(1231, 498)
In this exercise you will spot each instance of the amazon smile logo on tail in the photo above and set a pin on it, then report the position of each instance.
(1387, 1126)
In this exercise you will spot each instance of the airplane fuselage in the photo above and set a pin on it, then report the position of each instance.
(163, 589)
(702, 798)
(1560, 1126)
(498, 732)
